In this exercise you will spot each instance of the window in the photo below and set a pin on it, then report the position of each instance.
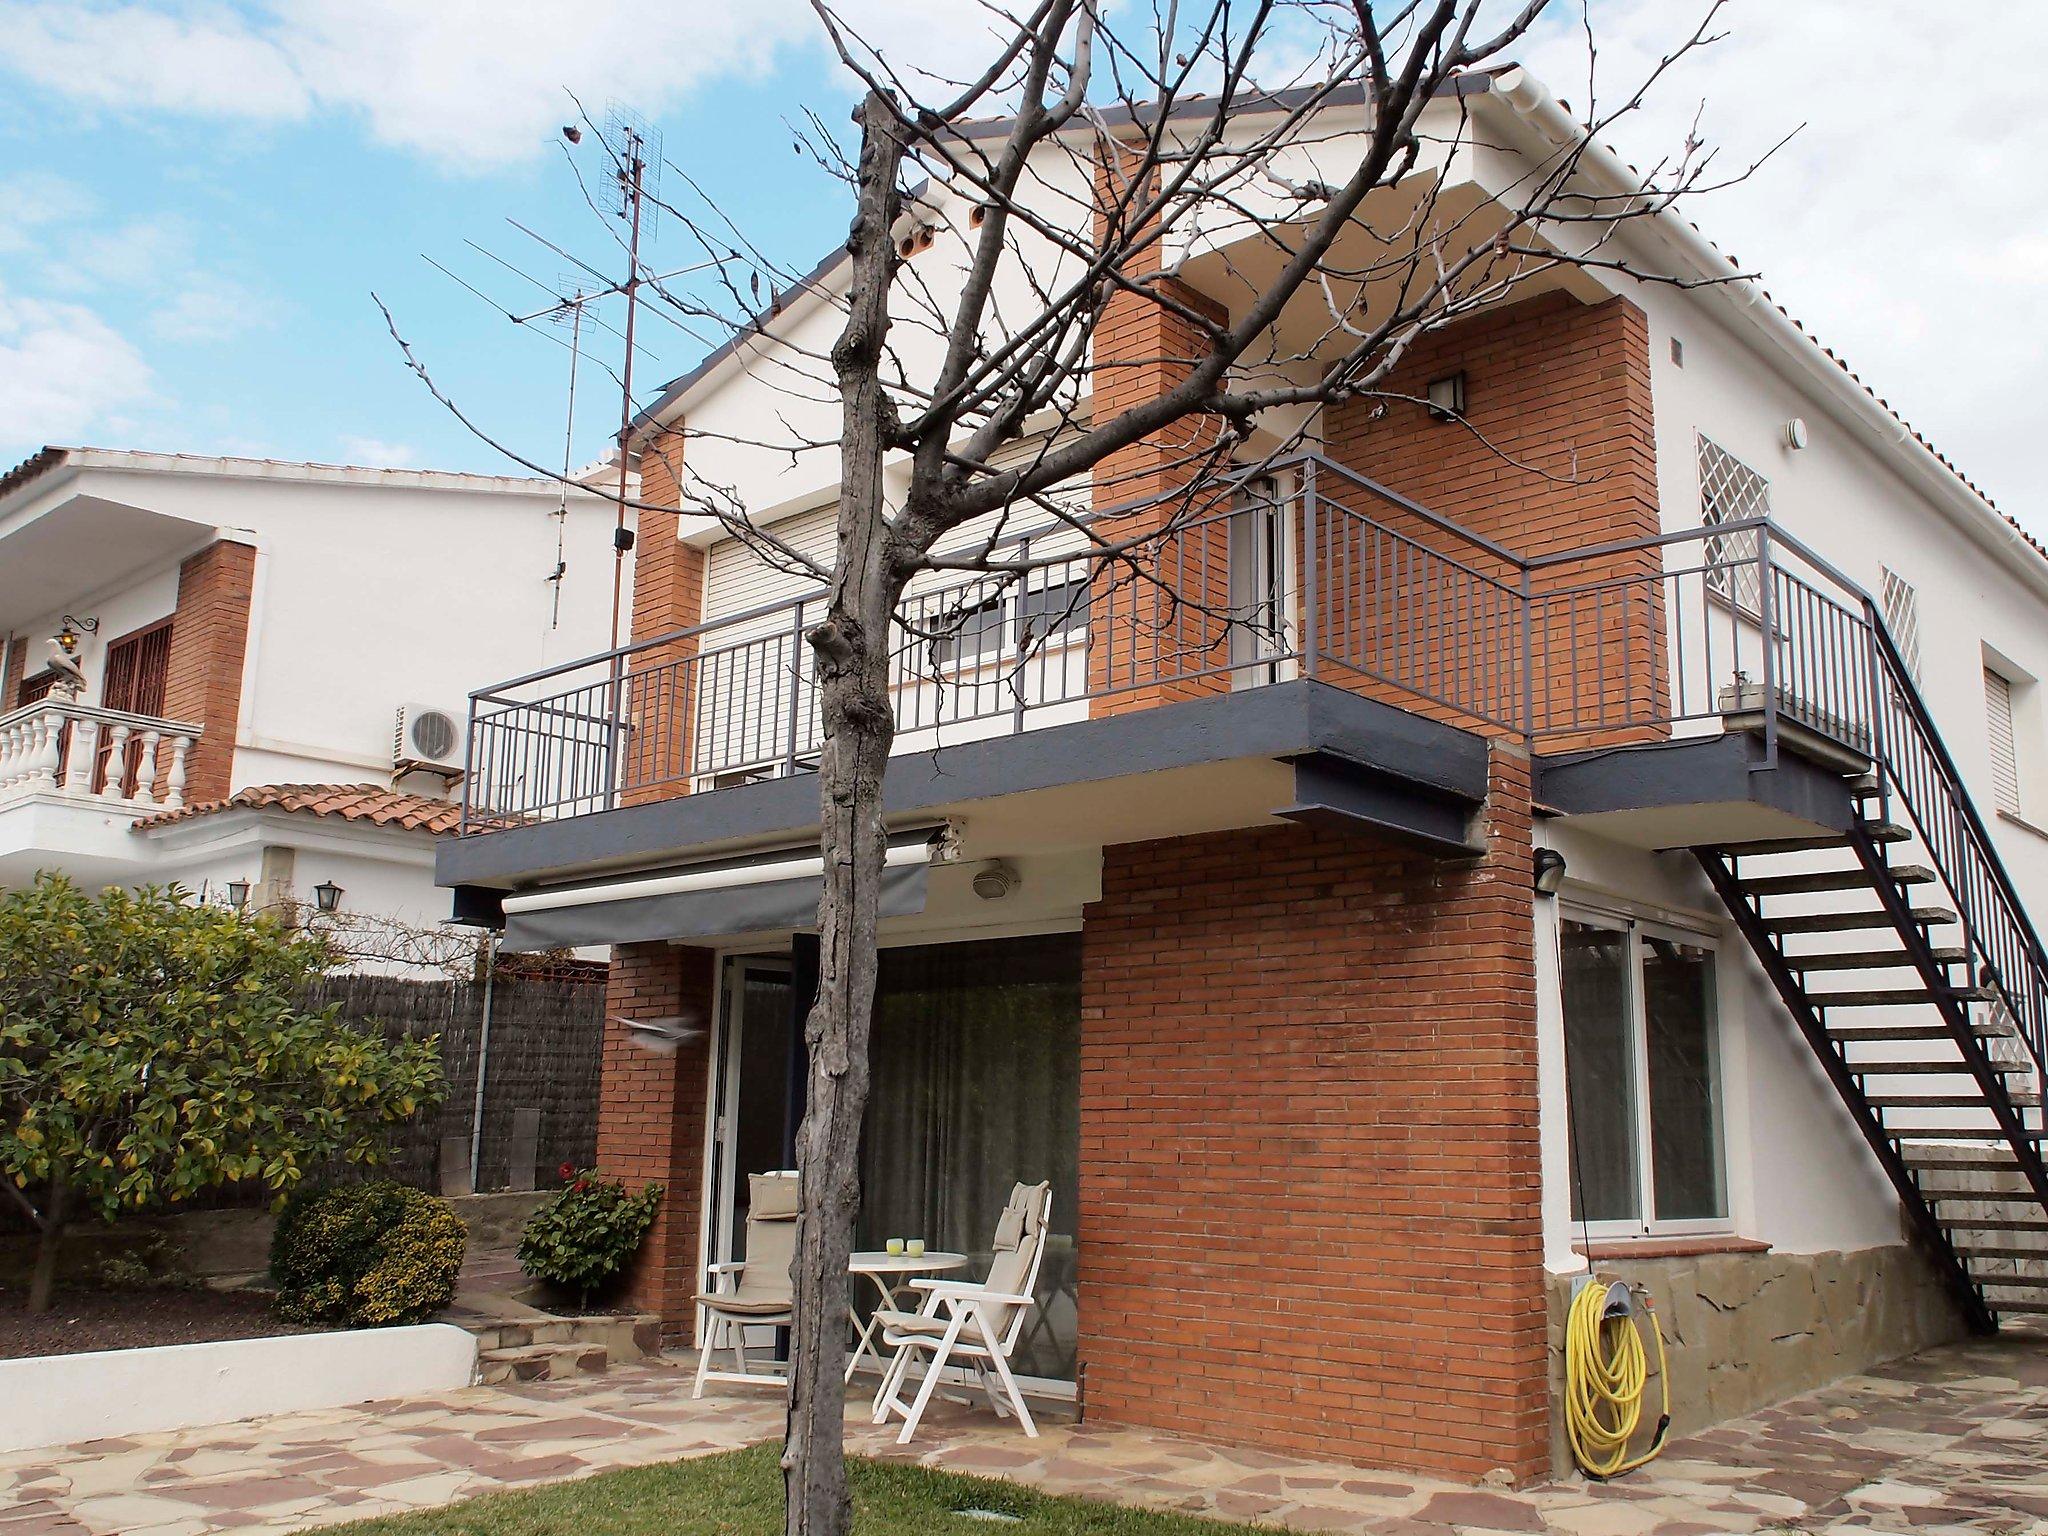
(1902, 617)
(36, 689)
(1731, 492)
(2005, 764)
(138, 667)
(1642, 1076)
(1057, 609)
(968, 633)
(1258, 575)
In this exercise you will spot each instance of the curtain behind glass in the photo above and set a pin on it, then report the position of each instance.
(976, 1086)
(1599, 1071)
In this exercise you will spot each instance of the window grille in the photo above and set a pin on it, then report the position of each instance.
(1902, 617)
(1732, 492)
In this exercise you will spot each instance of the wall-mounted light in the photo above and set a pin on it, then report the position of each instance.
(1447, 396)
(327, 896)
(995, 880)
(68, 631)
(238, 894)
(1550, 868)
(1795, 434)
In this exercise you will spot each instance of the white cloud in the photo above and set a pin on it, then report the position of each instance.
(63, 369)
(469, 83)
(1903, 224)
(377, 453)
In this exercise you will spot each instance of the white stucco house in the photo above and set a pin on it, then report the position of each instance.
(272, 669)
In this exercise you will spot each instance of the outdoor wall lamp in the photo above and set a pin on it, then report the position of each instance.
(327, 896)
(1447, 396)
(1550, 868)
(238, 894)
(68, 629)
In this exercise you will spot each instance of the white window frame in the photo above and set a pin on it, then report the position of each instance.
(1638, 930)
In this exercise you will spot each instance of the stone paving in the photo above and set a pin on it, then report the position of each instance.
(1953, 1441)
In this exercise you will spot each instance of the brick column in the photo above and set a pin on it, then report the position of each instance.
(651, 1117)
(17, 665)
(1138, 635)
(668, 594)
(1310, 1187)
(203, 675)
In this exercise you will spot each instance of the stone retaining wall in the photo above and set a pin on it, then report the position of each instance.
(1746, 1329)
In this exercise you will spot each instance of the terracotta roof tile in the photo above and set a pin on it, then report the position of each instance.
(349, 802)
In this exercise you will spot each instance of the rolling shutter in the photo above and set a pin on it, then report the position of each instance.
(2005, 772)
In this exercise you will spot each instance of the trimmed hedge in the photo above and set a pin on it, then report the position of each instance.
(365, 1256)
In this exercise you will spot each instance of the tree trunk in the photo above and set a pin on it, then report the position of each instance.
(44, 1278)
(850, 652)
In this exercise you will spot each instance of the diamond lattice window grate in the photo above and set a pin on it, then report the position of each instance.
(1731, 492)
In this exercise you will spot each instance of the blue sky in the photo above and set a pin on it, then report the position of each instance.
(197, 197)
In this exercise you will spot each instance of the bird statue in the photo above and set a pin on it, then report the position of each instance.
(70, 676)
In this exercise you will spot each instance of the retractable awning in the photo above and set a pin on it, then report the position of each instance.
(701, 901)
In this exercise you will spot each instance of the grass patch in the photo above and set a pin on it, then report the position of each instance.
(739, 1493)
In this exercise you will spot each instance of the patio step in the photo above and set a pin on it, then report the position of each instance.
(541, 1362)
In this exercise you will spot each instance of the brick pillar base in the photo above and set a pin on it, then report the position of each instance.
(1310, 1194)
(651, 1118)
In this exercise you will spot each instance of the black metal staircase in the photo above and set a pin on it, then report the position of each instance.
(1903, 953)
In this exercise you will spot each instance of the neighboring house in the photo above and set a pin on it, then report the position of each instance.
(1496, 906)
(275, 659)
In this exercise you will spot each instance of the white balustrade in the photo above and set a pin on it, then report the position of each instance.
(57, 747)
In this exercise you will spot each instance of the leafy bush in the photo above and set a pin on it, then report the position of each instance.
(365, 1255)
(584, 1237)
(153, 1047)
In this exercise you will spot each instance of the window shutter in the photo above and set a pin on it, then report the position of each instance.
(2005, 772)
(1902, 617)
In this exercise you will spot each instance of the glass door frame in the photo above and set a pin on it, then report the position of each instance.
(720, 1183)
(1636, 930)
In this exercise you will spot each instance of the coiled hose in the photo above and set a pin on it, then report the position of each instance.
(1606, 1373)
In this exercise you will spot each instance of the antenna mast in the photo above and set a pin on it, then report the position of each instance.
(629, 147)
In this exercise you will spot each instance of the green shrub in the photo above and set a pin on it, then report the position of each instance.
(365, 1256)
(584, 1237)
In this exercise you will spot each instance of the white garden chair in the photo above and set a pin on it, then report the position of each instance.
(753, 1292)
(966, 1323)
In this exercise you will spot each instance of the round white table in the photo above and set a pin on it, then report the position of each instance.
(891, 1274)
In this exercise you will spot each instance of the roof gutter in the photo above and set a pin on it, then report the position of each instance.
(1530, 101)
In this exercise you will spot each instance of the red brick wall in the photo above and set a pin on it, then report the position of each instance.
(651, 1116)
(668, 594)
(1309, 1176)
(1559, 454)
(17, 667)
(1140, 641)
(203, 680)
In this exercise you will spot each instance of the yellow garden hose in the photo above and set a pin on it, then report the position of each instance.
(1606, 1373)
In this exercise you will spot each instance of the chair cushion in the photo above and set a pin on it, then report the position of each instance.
(906, 1323)
(747, 1306)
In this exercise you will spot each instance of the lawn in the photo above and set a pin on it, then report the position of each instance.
(740, 1494)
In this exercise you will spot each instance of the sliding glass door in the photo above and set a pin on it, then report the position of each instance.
(975, 1086)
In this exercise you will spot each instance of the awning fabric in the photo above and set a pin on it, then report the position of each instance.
(698, 914)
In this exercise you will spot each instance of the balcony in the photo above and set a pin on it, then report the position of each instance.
(1307, 572)
(74, 778)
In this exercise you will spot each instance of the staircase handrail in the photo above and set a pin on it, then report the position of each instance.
(2029, 1009)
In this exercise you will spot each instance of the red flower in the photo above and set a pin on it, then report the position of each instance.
(566, 1172)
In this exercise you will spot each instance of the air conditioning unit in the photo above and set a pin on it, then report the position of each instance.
(428, 740)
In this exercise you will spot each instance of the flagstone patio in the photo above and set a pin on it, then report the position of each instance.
(1953, 1441)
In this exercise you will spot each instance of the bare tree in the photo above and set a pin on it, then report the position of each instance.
(1304, 148)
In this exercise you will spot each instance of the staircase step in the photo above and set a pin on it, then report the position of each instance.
(2013, 1282)
(541, 1362)
(1973, 1162)
(1833, 922)
(1879, 832)
(1896, 997)
(1956, 1133)
(1999, 1304)
(1925, 1100)
(1999, 1251)
(1998, 1224)
(1859, 1034)
(1857, 879)
(1956, 1068)
(1869, 960)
